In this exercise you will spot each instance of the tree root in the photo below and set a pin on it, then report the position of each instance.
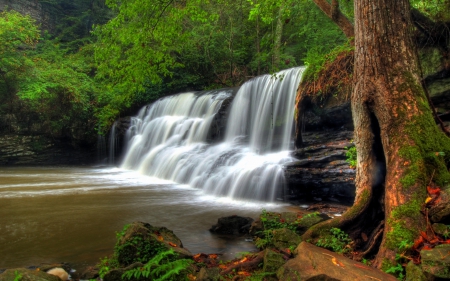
(372, 241)
(245, 265)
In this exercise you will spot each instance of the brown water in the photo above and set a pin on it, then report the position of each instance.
(50, 214)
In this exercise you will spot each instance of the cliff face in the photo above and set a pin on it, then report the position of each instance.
(34, 8)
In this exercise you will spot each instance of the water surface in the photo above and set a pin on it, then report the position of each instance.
(71, 214)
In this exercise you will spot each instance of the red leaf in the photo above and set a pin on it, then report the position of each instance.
(417, 243)
(433, 190)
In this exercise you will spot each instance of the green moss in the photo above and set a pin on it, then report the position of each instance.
(386, 264)
(414, 157)
(402, 232)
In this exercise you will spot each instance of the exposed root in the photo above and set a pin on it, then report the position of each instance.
(372, 242)
(335, 76)
(247, 264)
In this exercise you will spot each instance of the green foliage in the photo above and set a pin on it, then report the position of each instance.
(338, 241)
(397, 270)
(17, 276)
(161, 267)
(438, 10)
(316, 60)
(351, 156)
(18, 35)
(271, 222)
(261, 275)
(106, 264)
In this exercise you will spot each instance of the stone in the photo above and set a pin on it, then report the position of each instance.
(272, 260)
(285, 238)
(311, 219)
(314, 263)
(441, 229)
(440, 212)
(414, 273)
(234, 225)
(27, 275)
(90, 273)
(142, 241)
(436, 261)
(209, 274)
(116, 274)
(321, 171)
(59, 272)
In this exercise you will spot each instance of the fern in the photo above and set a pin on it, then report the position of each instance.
(159, 268)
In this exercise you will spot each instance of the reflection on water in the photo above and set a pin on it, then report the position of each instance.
(71, 214)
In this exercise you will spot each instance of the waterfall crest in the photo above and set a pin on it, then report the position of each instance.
(167, 139)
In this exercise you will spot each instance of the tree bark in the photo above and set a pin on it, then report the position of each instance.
(395, 134)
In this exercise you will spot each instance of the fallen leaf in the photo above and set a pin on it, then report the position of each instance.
(364, 236)
(336, 262)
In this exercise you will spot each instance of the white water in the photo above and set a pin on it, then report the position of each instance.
(167, 140)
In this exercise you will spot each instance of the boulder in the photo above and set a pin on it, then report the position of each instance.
(414, 273)
(142, 241)
(27, 275)
(440, 212)
(209, 274)
(441, 229)
(234, 225)
(116, 274)
(59, 272)
(311, 219)
(321, 172)
(272, 260)
(285, 238)
(436, 261)
(314, 263)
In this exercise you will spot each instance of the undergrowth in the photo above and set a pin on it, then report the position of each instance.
(338, 241)
(161, 267)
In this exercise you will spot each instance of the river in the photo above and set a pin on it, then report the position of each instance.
(71, 214)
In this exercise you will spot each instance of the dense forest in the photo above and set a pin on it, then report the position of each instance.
(104, 59)
(99, 60)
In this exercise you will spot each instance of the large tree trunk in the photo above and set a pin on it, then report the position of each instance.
(395, 134)
(392, 120)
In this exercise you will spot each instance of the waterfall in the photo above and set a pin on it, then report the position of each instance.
(168, 139)
(112, 144)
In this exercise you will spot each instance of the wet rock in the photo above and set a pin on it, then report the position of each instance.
(27, 275)
(321, 172)
(272, 260)
(59, 272)
(311, 219)
(441, 229)
(116, 274)
(234, 225)
(436, 261)
(440, 213)
(89, 273)
(142, 241)
(314, 263)
(285, 238)
(414, 273)
(209, 274)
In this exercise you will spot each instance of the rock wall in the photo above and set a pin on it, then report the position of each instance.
(40, 150)
(34, 8)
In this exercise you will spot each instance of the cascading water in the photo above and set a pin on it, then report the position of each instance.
(112, 144)
(167, 139)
